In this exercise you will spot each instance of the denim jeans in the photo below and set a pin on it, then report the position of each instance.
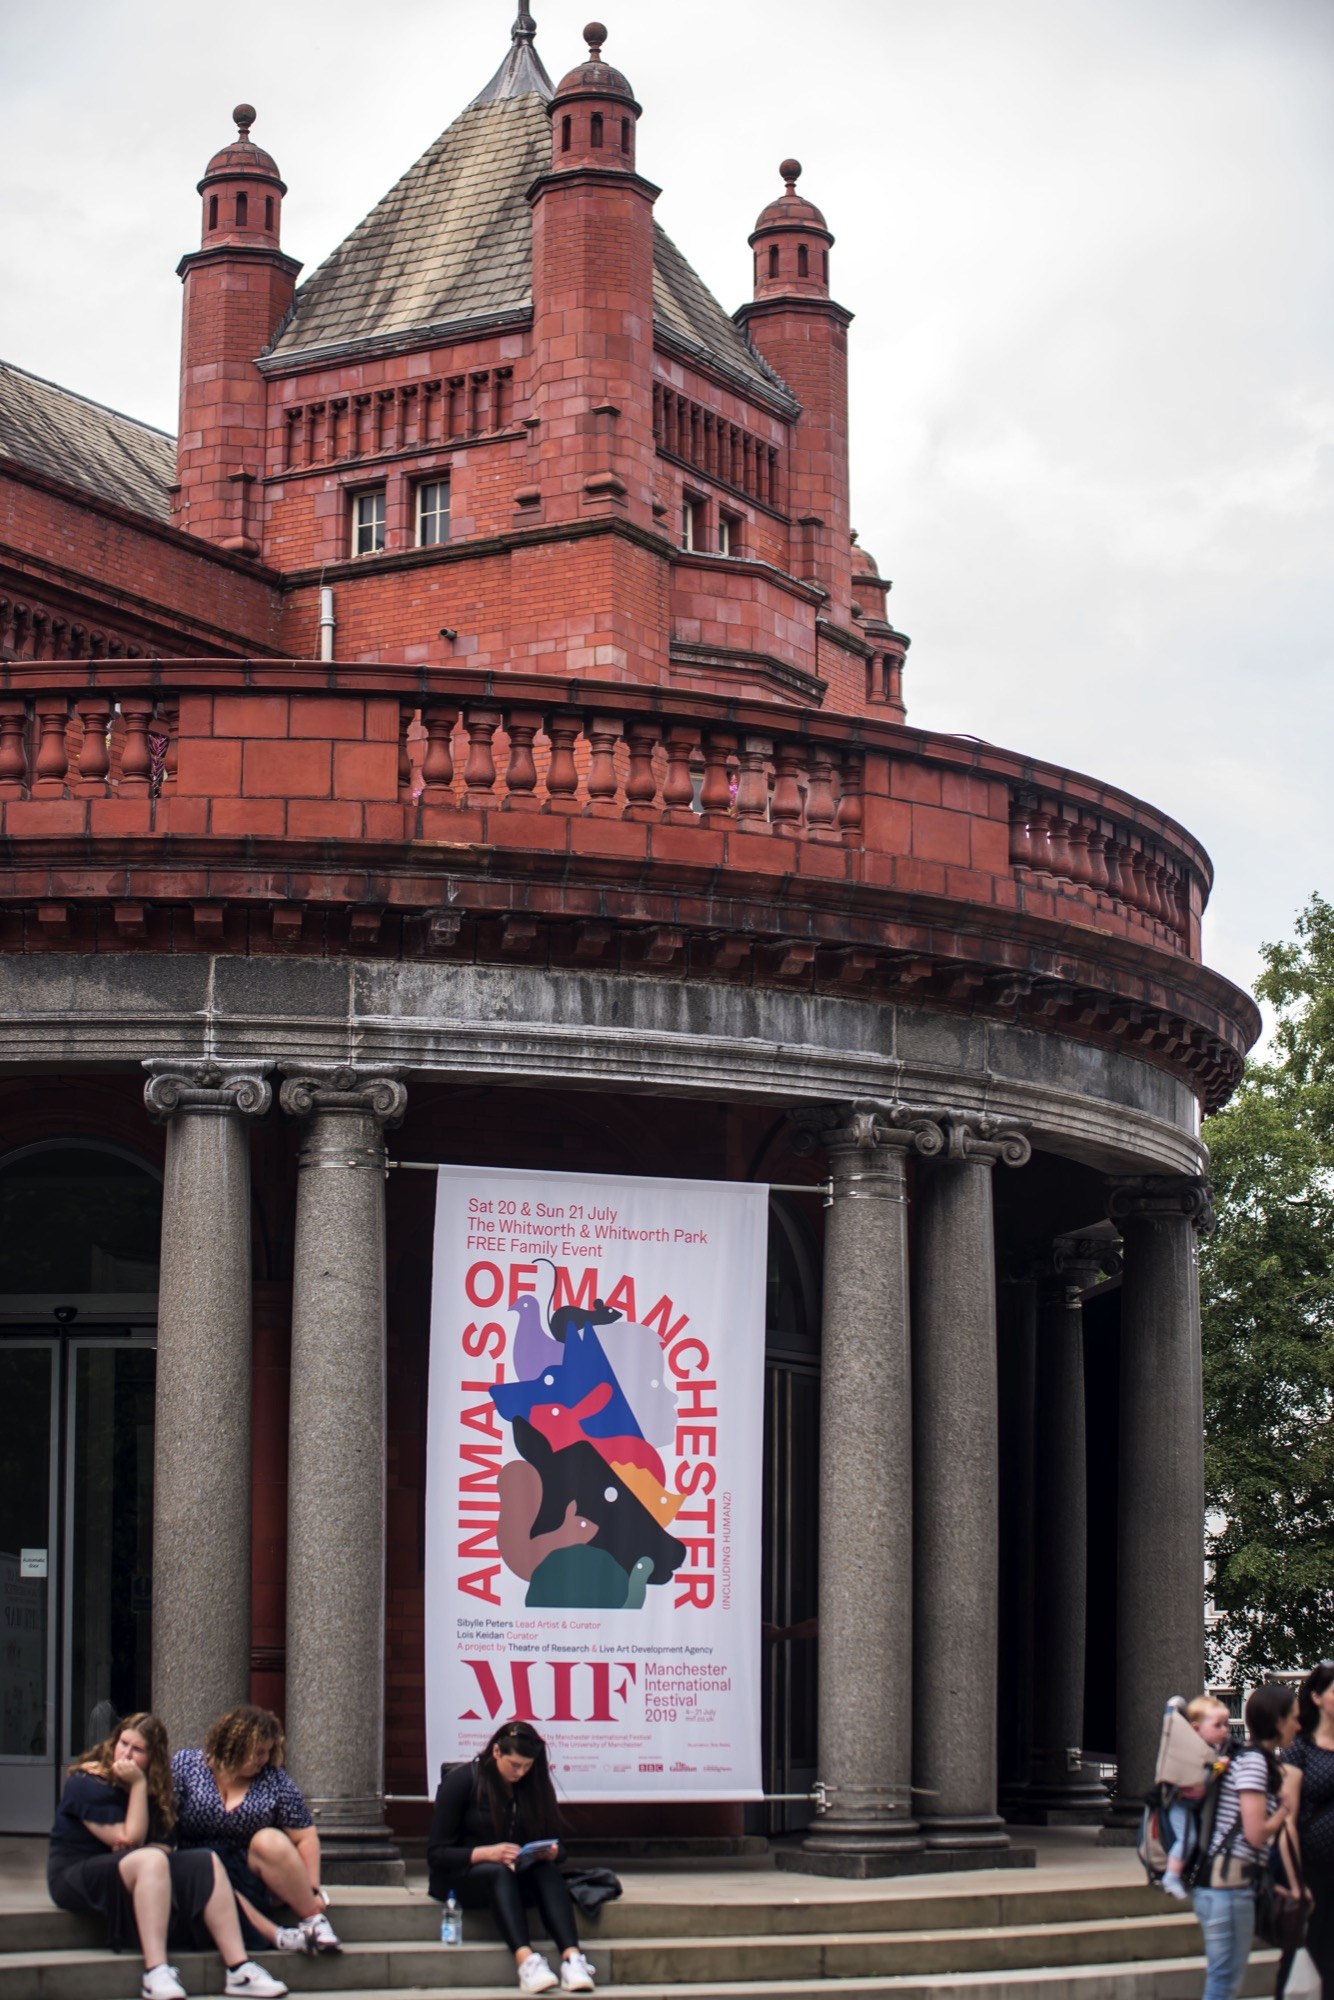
(1227, 1918)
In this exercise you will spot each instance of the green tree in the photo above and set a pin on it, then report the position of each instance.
(1267, 1288)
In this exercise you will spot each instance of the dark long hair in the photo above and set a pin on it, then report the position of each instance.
(1266, 1708)
(535, 1796)
(1319, 1678)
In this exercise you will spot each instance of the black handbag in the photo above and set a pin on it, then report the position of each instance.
(1283, 1903)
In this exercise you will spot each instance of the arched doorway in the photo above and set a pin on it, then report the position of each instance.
(80, 1222)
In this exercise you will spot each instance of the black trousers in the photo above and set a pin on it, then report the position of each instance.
(486, 1885)
(1320, 1934)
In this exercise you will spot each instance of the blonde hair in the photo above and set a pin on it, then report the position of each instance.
(1206, 1704)
(99, 1762)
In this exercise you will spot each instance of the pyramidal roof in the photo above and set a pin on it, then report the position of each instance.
(449, 248)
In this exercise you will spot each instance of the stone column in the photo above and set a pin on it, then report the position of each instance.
(956, 1489)
(201, 1465)
(336, 1466)
(1061, 1793)
(866, 1824)
(1160, 1471)
(1016, 1351)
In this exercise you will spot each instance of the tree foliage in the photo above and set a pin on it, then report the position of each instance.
(1267, 1289)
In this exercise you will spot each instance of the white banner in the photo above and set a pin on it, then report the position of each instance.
(593, 1477)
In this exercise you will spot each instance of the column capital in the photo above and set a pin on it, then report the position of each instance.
(977, 1137)
(311, 1087)
(212, 1088)
(1164, 1197)
(1077, 1263)
(862, 1124)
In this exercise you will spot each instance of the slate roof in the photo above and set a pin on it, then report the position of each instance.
(451, 245)
(83, 444)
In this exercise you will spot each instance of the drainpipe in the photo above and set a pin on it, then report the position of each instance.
(327, 622)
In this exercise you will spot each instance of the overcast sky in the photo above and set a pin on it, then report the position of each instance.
(1088, 247)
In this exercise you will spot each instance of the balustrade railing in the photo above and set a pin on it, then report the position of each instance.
(1052, 836)
(529, 744)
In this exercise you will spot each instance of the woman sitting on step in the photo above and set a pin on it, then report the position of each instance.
(109, 1858)
(485, 1813)
(235, 1798)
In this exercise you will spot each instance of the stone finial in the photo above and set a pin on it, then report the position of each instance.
(595, 35)
(209, 1087)
(525, 27)
(790, 170)
(244, 114)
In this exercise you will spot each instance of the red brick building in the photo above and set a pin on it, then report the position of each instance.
(480, 723)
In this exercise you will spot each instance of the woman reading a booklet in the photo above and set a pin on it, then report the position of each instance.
(493, 1841)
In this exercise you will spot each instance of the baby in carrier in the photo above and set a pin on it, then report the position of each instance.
(1209, 1719)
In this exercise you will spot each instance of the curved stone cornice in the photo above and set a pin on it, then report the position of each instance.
(1164, 1197)
(211, 1088)
(345, 1087)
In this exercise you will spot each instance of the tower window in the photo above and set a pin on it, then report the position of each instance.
(433, 513)
(565, 135)
(242, 208)
(824, 265)
(213, 211)
(268, 211)
(803, 261)
(773, 260)
(368, 522)
(595, 129)
(625, 135)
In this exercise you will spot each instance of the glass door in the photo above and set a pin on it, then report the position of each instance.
(29, 1455)
(108, 1540)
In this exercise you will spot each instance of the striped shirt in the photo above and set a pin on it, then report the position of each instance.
(1248, 1772)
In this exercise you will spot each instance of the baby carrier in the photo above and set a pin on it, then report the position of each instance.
(1182, 1760)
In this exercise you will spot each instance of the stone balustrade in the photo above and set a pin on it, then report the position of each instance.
(375, 807)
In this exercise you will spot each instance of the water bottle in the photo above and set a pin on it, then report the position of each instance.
(451, 1921)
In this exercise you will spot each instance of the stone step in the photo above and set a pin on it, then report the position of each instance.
(1153, 1979)
(639, 1965)
(412, 1917)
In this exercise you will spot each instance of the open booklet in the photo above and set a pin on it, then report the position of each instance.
(536, 1850)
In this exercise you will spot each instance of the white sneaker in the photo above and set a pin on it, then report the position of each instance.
(293, 1939)
(162, 1983)
(576, 1974)
(320, 1933)
(253, 1979)
(535, 1975)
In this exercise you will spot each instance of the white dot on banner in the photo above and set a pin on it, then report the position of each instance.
(610, 1493)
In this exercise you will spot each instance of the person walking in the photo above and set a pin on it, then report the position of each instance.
(1253, 1807)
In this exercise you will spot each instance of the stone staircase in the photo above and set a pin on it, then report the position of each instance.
(1087, 1942)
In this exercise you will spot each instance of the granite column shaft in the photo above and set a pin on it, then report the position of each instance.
(336, 1466)
(956, 1489)
(201, 1468)
(1160, 1526)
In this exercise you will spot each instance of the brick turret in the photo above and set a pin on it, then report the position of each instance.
(238, 286)
(803, 335)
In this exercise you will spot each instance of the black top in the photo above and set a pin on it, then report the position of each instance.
(87, 1798)
(461, 1821)
(1315, 1821)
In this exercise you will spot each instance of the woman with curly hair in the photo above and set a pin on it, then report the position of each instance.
(108, 1859)
(235, 1798)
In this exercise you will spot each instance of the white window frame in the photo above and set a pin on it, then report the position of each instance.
(694, 522)
(729, 533)
(439, 514)
(366, 520)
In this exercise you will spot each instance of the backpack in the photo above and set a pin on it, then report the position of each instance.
(1156, 1838)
